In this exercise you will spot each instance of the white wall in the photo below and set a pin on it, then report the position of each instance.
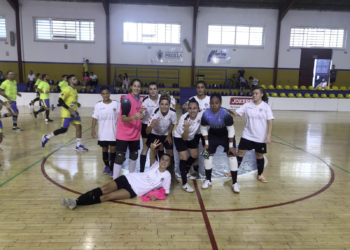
(54, 51)
(7, 11)
(122, 53)
(322, 19)
(242, 57)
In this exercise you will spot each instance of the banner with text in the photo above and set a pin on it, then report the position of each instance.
(235, 102)
(217, 56)
(167, 55)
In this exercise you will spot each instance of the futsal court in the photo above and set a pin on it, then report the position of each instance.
(304, 205)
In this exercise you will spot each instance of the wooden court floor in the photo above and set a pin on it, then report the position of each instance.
(304, 205)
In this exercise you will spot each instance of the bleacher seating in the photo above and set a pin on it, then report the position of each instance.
(271, 87)
(307, 95)
(324, 96)
(315, 95)
(209, 93)
(340, 96)
(332, 96)
(319, 88)
(299, 95)
(291, 95)
(303, 88)
(283, 95)
(295, 87)
(311, 88)
(287, 87)
(335, 88)
(279, 87)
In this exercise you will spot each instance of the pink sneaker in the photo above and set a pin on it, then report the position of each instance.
(262, 178)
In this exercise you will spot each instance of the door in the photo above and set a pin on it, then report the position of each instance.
(307, 60)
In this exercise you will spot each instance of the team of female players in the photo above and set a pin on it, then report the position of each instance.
(203, 120)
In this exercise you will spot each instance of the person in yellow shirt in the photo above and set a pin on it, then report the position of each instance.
(7, 105)
(63, 83)
(69, 102)
(8, 89)
(31, 104)
(44, 90)
(86, 67)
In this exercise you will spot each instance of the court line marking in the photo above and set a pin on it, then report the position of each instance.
(205, 217)
(27, 168)
(330, 182)
(330, 163)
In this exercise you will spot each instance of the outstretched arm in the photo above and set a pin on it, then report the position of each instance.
(152, 156)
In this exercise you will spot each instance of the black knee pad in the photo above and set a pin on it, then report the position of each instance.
(133, 155)
(60, 131)
(120, 158)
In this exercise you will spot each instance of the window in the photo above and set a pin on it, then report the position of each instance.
(235, 35)
(2, 28)
(317, 37)
(151, 33)
(64, 30)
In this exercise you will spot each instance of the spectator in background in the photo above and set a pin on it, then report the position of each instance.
(333, 75)
(241, 73)
(242, 84)
(119, 81)
(85, 79)
(31, 79)
(86, 67)
(93, 80)
(2, 77)
(126, 81)
(255, 82)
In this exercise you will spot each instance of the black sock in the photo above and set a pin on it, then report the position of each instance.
(47, 114)
(234, 176)
(208, 174)
(160, 154)
(90, 198)
(183, 170)
(142, 163)
(260, 164)
(196, 168)
(189, 162)
(105, 157)
(15, 124)
(239, 160)
(40, 110)
(111, 160)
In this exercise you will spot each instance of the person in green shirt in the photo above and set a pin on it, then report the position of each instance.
(8, 90)
(86, 67)
(44, 90)
(32, 102)
(63, 83)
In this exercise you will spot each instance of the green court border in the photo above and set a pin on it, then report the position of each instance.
(27, 168)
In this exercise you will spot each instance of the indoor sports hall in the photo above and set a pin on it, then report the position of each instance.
(295, 50)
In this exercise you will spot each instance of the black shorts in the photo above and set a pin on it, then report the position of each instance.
(200, 137)
(122, 183)
(105, 144)
(332, 80)
(143, 131)
(245, 144)
(215, 141)
(122, 146)
(161, 138)
(182, 145)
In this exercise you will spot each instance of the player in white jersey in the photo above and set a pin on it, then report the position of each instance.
(106, 114)
(204, 104)
(149, 103)
(161, 125)
(257, 130)
(185, 139)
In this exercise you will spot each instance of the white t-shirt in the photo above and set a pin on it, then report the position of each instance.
(152, 178)
(256, 117)
(203, 104)
(255, 81)
(192, 130)
(31, 77)
(93, 77)
(150, 106)
(107, 116)
(162, 128)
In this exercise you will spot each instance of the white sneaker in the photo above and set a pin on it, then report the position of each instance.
(235, 188)
(71, 203)
(187, 188)
(206, 184)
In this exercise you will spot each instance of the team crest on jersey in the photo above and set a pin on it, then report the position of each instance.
(162, 179)
(206, 105)
(114, 109)
(219, 119)
(260, 110)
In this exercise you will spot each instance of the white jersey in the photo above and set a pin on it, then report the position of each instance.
(203, 104)
(162, 128)
(152, 178)
(256, 117)
(150, 106)
(107, 116)
(255, 81)
(31, 77)
(192, 130)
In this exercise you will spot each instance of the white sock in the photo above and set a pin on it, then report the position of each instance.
(78, 142)
(50, 136)
(132, 166)
(116, 170)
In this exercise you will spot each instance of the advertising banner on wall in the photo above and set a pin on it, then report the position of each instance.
(217, 56)
(235, 102)
(167, 55)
